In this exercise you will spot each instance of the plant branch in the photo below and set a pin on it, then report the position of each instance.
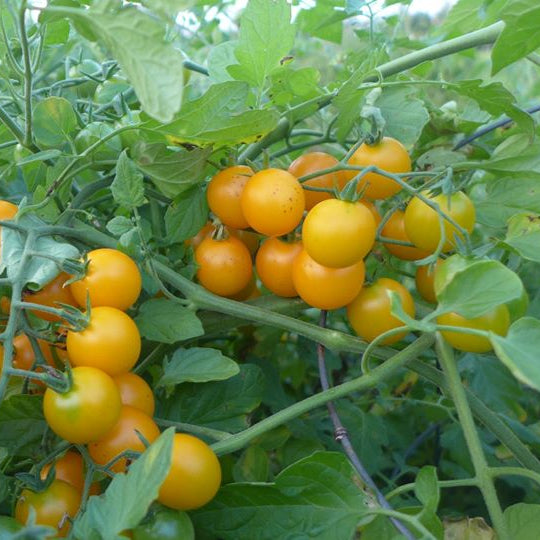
(27, 61)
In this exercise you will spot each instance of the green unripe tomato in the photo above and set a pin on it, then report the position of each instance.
(86, 67)
(166, 525)
(518, 308)
(108, 90)
(94, 132)
(132, 136)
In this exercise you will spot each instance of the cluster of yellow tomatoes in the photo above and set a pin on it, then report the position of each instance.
(108, 408)
(324, 263)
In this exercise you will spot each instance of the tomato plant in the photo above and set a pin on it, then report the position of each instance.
(231, 202)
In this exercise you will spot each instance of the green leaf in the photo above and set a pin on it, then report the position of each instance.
(252, 466)
(496, 100)
(128, 185)
(38, 271)
(463, 17)
(54, 121)
(186, 217)
(266, 36)
(128, 496)
(220, 404)
(219, 118)
(323, 21)
(520, 34)
(172, 171)
(508, 196)
(524, 235)
(39, 156)
(21, 424)
(474, 287)
(197, 365)
(405, 115)
(119, 225)
(519, 350)
(168, 8)
(220, 58)
(523, 521)
(166, 321)
(153, 65)
(426, 488)
(317, 497)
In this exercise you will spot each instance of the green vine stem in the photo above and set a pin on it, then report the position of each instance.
(477, 38)
(27, 60)
(462, 482)
(214, 434)
(482, 471)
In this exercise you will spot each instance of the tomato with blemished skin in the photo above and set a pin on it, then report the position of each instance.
(123, 436)
(370, 312)
(225, 266)
(338, 233)
(110, 342)
(425, 277)
(68, 468)
(496, 320)
(273, 202)
(326, 288)
(310, 163)
(196, 468)
(51, 507)
(422, 223)
(249, 238)
(389, 155)
(52, 295)
(136, 392)
(87, 411)
(112, 279)
(394, 228)
(274, 264)
(224, 193)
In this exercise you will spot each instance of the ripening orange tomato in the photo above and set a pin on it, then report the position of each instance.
(7, 212)
(423, 226)
(425, 281)
(394, 228)
(249, 238)
(274, 264)
(52, 295)
(68, 468)
(225, 266)
(196, 240)
(123, 437)
(136, 392)
(112, 279)
(273, 202)
(24, 356)
(196, 468)
(326, 288)
(52, 507)
(390, 156)
(370, 312)
(224, 193)
(111, 342)
(338, 233)
(310, 163)
(249, 292)
(373, 209)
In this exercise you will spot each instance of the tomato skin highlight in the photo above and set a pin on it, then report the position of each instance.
(51, 506)
(425, 281)
(69, 468)
(394, 228)
(389, 155)
(310, 163)
(136, 392)
(273, 202)
(111, 342)
(123, 436)
(224, 193)
(225, 266)
(112, 279)
(196, 468)
(370, 312)
(338, 233)
(274, 264)
(51, 295)
(326, 288)
(423, 226)
(497, 321)
(88, 411)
